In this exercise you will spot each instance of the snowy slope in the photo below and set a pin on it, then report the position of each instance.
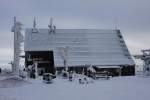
(119, 88)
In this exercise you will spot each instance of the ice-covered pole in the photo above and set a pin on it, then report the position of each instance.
(36, 69)
(64, 55)
(18, 38)
(15, 67)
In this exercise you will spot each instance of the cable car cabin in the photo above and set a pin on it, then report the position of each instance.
(44, 60)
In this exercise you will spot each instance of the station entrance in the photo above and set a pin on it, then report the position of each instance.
(44, 60)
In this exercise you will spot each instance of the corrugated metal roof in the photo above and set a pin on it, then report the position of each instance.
(85, 46)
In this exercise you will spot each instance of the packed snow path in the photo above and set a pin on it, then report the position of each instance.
(118, 88)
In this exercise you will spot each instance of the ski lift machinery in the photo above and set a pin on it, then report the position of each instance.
(146, 58)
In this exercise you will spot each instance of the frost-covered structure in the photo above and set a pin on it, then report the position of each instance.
(146, 59)
(84, 47)
(18, 39)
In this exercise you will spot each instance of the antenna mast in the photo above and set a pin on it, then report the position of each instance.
(51, 21)
(18, 39)
(34, 23)
(52, 27)
(14, 62)
(34, 30)
(116, 23)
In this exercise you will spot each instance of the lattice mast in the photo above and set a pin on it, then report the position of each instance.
(18, 39)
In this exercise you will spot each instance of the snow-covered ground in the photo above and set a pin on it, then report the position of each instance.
(117, 88)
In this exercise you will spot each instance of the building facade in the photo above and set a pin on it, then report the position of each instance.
(78, 49)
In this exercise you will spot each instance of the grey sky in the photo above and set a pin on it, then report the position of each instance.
(132, 17)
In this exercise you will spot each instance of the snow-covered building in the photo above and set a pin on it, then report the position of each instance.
(103, 49)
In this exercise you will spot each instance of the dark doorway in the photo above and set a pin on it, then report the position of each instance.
(45, 60)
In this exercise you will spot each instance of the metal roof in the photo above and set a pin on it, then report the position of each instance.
(85, 46)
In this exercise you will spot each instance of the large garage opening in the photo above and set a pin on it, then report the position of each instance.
(44, 60)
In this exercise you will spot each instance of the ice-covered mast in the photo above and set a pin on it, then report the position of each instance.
(64, 56)
(18, 39)
(52, 27)
(34, 30)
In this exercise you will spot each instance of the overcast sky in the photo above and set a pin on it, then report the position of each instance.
(132, 17)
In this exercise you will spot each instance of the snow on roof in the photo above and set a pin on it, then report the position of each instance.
(85, 46)
(108, 66)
